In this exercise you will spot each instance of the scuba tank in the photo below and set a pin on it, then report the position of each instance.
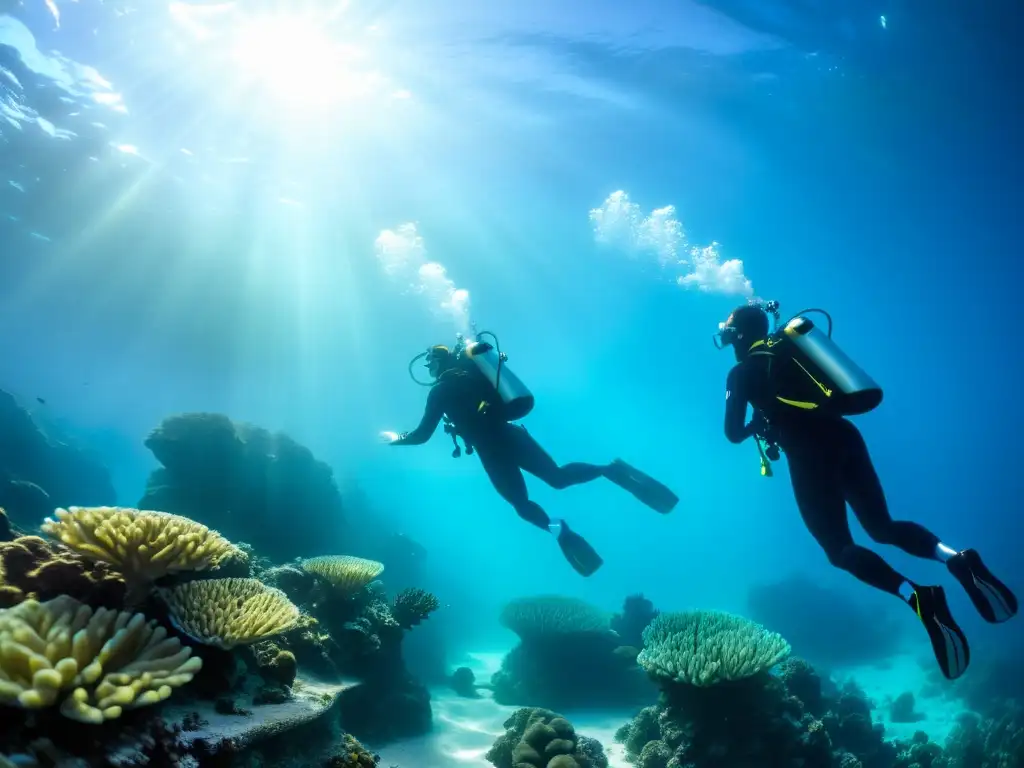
(832, 381)
(489, 360)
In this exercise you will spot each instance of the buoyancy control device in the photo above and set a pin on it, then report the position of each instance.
(831, 381)
(485, 358)
(825, 378)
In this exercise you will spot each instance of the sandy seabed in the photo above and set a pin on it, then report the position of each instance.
(464, 729)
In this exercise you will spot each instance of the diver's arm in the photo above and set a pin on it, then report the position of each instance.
(432, 415)
(736, 399)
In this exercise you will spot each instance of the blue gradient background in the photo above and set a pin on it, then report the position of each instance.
(873, 172)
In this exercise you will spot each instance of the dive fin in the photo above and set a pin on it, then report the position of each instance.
(648, 490)
(581, 556)
(949, 643)
(992, 599)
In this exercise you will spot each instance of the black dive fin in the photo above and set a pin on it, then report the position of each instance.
(648, 490)
(948, 641)
(992, 599)
(581, 556)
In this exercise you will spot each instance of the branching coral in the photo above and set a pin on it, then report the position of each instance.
(31, 567)
(108, 660)
(345, 573)
(545, 615)
(143, 545)
(230, 612)
(703, 648)
(412, 606)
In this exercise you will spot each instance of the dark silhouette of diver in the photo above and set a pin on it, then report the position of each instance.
(800, 385)
(479, 412)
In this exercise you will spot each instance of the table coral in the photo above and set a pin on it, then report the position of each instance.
(229, 612)
(142, 544)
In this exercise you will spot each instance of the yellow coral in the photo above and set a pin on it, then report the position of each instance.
(230, 612)
(142, 544)
(108, 660)
(347, 574)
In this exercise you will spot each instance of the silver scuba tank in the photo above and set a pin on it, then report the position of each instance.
(848, 390)
(518, 400)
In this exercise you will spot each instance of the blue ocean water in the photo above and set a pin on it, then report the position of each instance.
(265, 210)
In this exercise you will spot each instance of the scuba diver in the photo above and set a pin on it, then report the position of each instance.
(801, 385)
(477, 396)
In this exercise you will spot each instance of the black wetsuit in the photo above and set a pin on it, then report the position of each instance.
(830, 467)
(505, 449)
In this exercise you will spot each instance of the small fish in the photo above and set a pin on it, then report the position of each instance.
(41, 401)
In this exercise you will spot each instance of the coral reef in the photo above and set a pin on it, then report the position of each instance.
(540, 738)
(105, 660)
(992, 742)
(637, 613)
(33, 568)
(704, 648)
(345, 574)
(567, 657)
(758, 720)
(229, 612)
(811, 624)
(40, 471)
(142, 545)
(247, 482)
(411, 606)
(351, 754)
(903, 710)
(463, 682)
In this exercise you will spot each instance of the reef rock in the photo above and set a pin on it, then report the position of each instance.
(251, 484)
(39, 471)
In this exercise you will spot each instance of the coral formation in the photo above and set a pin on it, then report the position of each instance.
(463, 682)
(703, 648)
(992, 742)
(637, 613)
(6, 533)
(540, 738)
(251, 484)
(757, 720)
(229, 612)
(902, 709)
(351, 754)
(143, 545)
(345, 574)
(107, 660)
(33, 568)
(567, 657)
(41, 470)
(548, 615)
(411, 606)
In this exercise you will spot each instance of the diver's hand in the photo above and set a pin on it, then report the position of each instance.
(391, 437)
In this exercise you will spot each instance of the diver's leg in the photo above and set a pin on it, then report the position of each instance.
(863, 490)
(991, 597)
(820, 498)
(823, 509)
(532, 457)
(507, 479)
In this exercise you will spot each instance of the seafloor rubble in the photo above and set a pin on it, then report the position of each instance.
(163, 648)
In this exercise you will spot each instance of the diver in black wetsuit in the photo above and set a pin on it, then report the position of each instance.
(474, 411)
(789, 377)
